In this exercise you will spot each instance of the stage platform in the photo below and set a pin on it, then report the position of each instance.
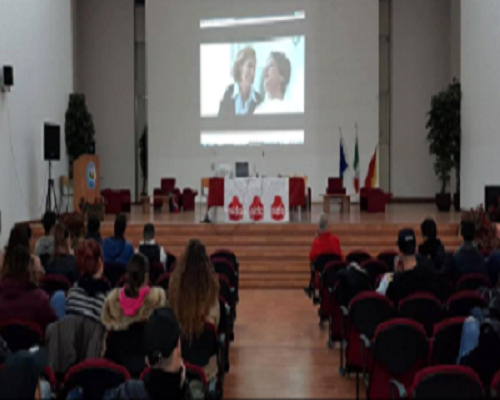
(276, 256)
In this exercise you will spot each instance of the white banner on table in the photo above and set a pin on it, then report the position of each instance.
(256, 200)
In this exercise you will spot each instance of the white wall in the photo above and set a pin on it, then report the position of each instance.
(35, 38)
(456, 45)
(421, 36)
(481, 96)
(342, 82)
(104, 57)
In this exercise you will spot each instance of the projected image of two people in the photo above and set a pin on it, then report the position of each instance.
(253, 78)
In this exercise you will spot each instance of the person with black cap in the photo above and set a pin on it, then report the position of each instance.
(20, 376)
(167, 376)
(412, 274)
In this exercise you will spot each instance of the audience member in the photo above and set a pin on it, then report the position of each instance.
(86, 298)
(325, 242)
(45, 244)
(63, 261)
(148, 247)
(413, 274)
(125, 312)
(432, 247)
(467, 259)
(194, 296)
(20, 235)
(116, 249)
(20, 377)
(167, 377)
(20, 298)
(94, 229)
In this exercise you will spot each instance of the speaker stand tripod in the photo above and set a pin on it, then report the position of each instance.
(51, 193)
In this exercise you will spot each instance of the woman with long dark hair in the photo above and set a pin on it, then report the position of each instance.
(193, 294)
(63, 262)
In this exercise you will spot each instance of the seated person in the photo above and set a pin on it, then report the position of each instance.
(125, 313)
(20, 235)
(162, 345)
(94, 229)
(45, 244)
(194, 296)
(116, 249)
(432, 247)
(325, 242)
(20, 297)
(413, 274)
(20, 376)
(148, 247)
(467, 259)
(86, 298)
(63, 261)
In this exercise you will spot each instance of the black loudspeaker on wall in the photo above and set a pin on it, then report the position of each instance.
(7, 76)
(51, 142)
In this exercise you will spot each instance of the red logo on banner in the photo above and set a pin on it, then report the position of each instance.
(278, 209)
(235, 210)
(256, 210)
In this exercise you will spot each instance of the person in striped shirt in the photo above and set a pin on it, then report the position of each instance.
(86, 298)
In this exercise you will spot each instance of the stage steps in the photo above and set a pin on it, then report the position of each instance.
(276, 256)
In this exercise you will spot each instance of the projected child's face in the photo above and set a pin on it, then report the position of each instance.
(272, 78)
(248, 72)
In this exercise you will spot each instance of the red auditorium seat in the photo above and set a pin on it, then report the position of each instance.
(423, 308)
(20, 334)
(400, 350)
(317, 267)
(374, 268)
(358, 256)
(52, 283)
(329, 309)
(388, 257)
(473, 282)
(445, 342)
(462, 303)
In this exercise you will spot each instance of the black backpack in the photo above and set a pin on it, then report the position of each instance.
(350, 282)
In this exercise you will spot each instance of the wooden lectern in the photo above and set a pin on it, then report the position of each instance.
(86, 182)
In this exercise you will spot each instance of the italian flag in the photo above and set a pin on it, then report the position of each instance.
(356, 166)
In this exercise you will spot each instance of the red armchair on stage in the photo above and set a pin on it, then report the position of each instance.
(373, 200)
(189, 199)
(117, 201)
(297, 192)
(335, 186)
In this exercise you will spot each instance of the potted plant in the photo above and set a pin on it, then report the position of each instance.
(143, 157)
(454, 102)
(96, 208)
(441, 124)
(79, 130)
(486, 235)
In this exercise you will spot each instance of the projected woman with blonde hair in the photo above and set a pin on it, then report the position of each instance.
(241, 98)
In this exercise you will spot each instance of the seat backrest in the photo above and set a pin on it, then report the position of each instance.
(198, 350)
(126, 348)
(462, 303)
(224, 267)
(323, 259)
(388, 257)
(151, 251)
(368, 310)
(400, 349)
(330, 271)
(167, 185)
(163, 281)
(374, 268)
(297, 192)
(335, 183)
(113, 272)
(444, 287)
(20, 334)
(45, 260)
(52, 283)
(446, 341)
(225, 289)
(423, 308)
(447, 382)
(358, 256)
(228, 255)
(171, 261)
(95, 377)
(473, 282)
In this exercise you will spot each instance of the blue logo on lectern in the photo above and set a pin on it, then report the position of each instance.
(91, 175)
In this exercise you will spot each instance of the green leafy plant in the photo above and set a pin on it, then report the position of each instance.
(486, 235)
(79, 129)
(143, 157)
(97, 207)
(444, 133)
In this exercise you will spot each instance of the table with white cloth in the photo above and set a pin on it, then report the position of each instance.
(256, 200)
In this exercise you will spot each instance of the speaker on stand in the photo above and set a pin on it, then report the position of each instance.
(51, 152)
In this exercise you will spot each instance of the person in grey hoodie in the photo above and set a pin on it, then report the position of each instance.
(45, 244)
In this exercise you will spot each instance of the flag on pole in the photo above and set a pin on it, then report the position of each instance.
(371, 176)
(356, 163)
(343, 160)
